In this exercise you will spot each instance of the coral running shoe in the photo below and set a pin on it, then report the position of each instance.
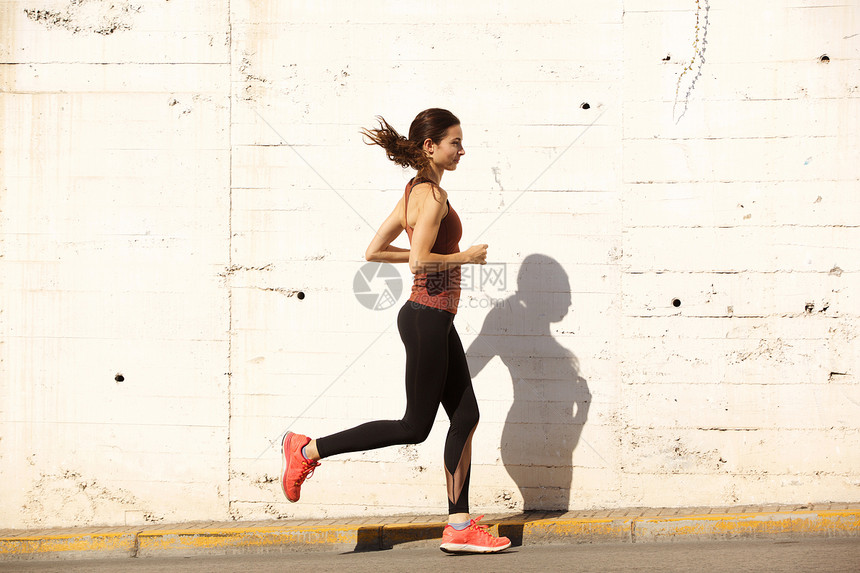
(296, 468)
(473, 539)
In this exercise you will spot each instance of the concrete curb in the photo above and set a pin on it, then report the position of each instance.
(693, 527)
(523, 529)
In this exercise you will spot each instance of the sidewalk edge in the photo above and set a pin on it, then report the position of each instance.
(636, 529)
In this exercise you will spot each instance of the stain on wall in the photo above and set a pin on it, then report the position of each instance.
(87, 16)
(693, 69)
(68, 498)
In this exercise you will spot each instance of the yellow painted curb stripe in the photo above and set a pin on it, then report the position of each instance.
(826, 522)
(730, 525)
(108, 542)
(247, 537)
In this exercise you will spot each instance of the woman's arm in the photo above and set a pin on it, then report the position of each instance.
(421, 260)
(380, 248)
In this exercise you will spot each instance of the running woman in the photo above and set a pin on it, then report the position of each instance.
(436, 368)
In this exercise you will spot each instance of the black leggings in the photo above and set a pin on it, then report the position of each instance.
(436, 373)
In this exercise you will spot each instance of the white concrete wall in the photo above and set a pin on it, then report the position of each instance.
(742, 205)
(114, 221)
(175, 174)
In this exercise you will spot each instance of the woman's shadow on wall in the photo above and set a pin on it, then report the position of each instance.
(551, 398)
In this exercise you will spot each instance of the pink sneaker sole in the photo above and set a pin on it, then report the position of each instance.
(285, 464)
(466, 548)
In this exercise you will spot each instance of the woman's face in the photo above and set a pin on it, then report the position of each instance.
(447, 153)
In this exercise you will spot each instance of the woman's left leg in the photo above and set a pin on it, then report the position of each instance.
(458, 399)
(462, 534)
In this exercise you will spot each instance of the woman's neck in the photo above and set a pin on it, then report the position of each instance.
(433, 173)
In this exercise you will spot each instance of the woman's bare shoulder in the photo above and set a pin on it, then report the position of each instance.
(422, 191)
(426, 198)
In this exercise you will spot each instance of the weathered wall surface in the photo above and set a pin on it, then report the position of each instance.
(115, 219)
(739, 200)
(670, 312)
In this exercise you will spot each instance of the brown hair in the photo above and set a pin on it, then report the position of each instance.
(430, 124)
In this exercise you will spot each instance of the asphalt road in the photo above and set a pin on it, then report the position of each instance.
(819, 555)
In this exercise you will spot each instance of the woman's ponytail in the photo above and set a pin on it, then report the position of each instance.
(398, 148)
(430, 124)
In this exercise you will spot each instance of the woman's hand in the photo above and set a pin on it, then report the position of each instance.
(476, 255)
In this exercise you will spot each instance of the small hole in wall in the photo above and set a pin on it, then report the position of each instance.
(824, 59)
(676, 302)
(585, 105)
(300, 295)
(119, 377)
(667, 58)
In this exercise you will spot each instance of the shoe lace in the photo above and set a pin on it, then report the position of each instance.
(482, 529)
(307, 471)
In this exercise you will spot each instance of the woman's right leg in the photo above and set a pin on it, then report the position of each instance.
(424, 333)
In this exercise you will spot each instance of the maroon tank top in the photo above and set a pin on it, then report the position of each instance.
(440, 289)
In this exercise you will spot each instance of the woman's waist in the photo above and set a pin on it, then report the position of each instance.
(448, 277)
